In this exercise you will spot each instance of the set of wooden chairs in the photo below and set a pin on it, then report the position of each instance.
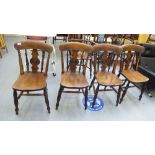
(109, 62)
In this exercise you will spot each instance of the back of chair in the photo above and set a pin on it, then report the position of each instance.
(35, 52)
(74, 48)
(131, 56)
(107, 56)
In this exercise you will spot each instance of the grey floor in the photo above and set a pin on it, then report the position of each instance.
(71, 108)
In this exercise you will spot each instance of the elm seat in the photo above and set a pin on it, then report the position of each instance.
(76, 80)
(30, 81)
(108, 79)
(134, 76)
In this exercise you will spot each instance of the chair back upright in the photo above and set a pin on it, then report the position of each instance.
(37, 55)
(75, 63)
(106, 57)
(131, 56)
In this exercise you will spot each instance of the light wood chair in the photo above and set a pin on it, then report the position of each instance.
(74, 77)
(107, 56)
(130, 60)
(33, 77)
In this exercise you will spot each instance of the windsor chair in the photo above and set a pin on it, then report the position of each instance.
(73, 75)
(107, 56)
(130, 60)
(33, 75)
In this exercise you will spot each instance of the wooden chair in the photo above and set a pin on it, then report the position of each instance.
(33, 77)
(74, 77)
(130, 60)
(105, 75)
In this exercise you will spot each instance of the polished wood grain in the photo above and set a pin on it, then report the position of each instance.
(130, 60)
(106, 56)
(73, 77)
(33, 45)
(108, 79)
(74, 80)
(30, 81)
(135, 76)
(34, 78)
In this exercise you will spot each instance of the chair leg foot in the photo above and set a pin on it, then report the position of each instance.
(118, 96)
(46, 100)
(95, 96)
(90, 68)
(59, 96)
(124, 92)
(15, 101)
(86, 98)
(142, 91)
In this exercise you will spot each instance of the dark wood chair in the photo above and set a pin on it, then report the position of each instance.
(74, 77)
(107, 56)
(130, 60)
(33, 76)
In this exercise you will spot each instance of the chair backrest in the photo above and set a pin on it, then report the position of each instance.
(35, 54)
(75, 48)
(131, 56)
(106, 56)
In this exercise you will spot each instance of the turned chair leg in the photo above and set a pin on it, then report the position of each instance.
(142, 91)
(46, 100)
(90, 63)
(148, 90)
(92, 82)
(15, 101)
(86, 97)
(0, 54)
(59, 96)
(118, 96)
(124, 92)
(95, 96)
